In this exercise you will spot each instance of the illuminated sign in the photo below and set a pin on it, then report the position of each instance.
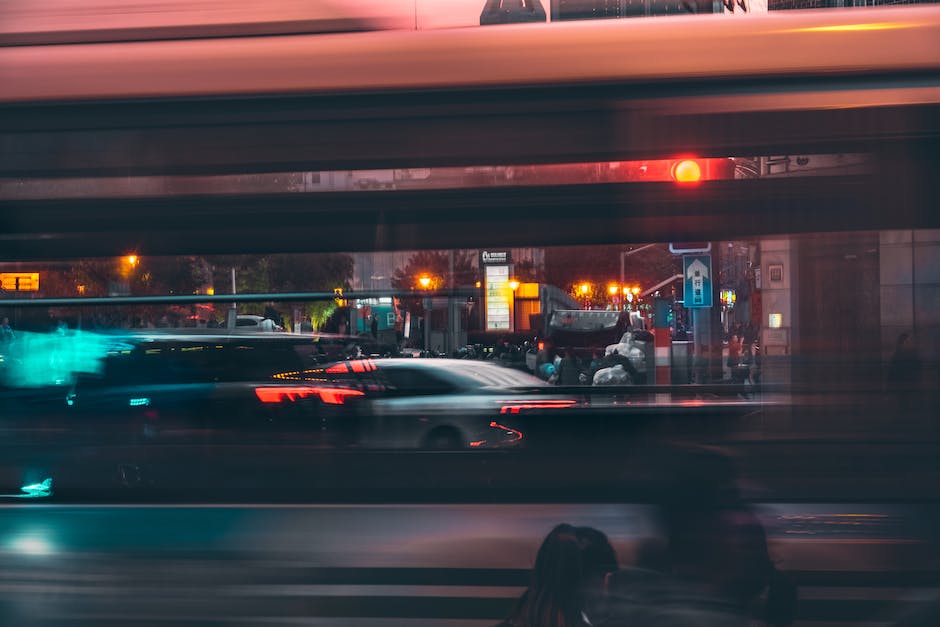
(498, 298)
(488, 257)
(19, 281)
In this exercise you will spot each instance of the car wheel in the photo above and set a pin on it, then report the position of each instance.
(443, 439)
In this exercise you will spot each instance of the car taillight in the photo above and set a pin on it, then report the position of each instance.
(353, 365)
(285, 393)
(516, 407)
(337, 396)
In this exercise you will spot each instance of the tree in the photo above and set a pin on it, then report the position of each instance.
(436, 265)
(303, 272)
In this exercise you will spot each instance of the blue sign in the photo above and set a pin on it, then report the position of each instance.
(697, 281)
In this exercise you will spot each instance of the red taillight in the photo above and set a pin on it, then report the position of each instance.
(541, 346)
(337, 396)
(355, 365)
(280, 394)
(515, 408)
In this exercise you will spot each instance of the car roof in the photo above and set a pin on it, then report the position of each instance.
(483, 373)
(190, 335)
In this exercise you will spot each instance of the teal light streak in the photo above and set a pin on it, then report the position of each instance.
(33, 491)
(139, 402)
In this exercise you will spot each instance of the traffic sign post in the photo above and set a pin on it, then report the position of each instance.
(697, 281)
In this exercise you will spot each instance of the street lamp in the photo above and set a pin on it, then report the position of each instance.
(584, 291)
(613, 289)
(132, 260)
(425, 281)
(513, 284)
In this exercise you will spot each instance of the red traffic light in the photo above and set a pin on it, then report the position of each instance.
(687, 171)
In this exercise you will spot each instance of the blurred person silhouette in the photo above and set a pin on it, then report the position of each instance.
(713, 566)
(566, 586)
(569, 372)
(904, 374)
(6, 333)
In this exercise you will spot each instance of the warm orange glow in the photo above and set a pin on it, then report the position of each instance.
(513, 284)
(844, 28)
(424, 280)
(210, 291)
(584, 288)
(19, 281)
(687, 171)
(131, 260)
(634, 290)
(613, 289)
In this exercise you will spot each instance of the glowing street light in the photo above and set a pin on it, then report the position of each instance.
(513, 284)
(613, 289)
(132, 260)
(584, 289)
(425, 281)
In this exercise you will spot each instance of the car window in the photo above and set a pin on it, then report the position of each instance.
(500, 377)
(417, 381)
(250, 361)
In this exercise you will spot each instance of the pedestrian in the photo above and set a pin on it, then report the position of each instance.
(904, 374)
(904, 369)
(715, 567)
(566, 584)
(375, 327)
(569, 373)
(6, 332)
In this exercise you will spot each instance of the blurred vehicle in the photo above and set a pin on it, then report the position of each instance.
(436, 403)
(262, 388)
(193, 387)
(257, 323)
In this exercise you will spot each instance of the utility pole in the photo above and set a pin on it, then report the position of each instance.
(232, 317)
(623, 258)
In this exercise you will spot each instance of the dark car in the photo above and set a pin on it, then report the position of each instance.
(205, 388)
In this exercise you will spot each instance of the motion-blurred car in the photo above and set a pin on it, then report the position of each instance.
(435, 403)
(192, 388)
(195, 387)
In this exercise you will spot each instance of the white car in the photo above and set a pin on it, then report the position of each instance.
(256, 323)
(435, 403)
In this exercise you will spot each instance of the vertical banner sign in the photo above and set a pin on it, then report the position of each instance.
(498, 295)
(697, 281)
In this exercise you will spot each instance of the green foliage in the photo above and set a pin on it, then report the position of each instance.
(436, 264)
